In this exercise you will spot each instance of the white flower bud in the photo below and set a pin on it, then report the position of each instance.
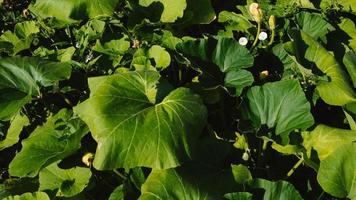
(245, 156)
(243, 41)
(263, 36)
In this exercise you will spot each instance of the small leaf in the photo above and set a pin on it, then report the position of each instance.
(160, 55)
(12, 136)
(239, 80)
(118, 193)
(69, 182)
(242, 174)
(58, 138)
(29, 196)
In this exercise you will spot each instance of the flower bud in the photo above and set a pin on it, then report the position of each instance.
(262, 36)
(243, 41)
(256, 12)
(272, 22)
(245, 156)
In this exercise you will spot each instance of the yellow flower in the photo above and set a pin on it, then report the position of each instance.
(256, 12)
(87, 159)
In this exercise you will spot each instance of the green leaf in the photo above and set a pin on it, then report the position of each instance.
(349, 27)
(290, 63)
(287, 149)
(167, 40)
(325, 140)
(314, 25)
(238, 196)
(350, 64)
(58, 138)
(172, 9)
(346, 4)
(280, 190)
(21, 79)
(337, 91)
(29, 196)
(239, 80)
(242, 174)
(115, 49)
(141, 127)
(199, 12)
(336, 174)
(196, 48)
(236, 21)
(67, 12)
(118, 193)
(69, 182)
(282, 105)
(12, 136)
(230, 55)
(3, 192)
(21, 38)
(160, 55)
(196, 182)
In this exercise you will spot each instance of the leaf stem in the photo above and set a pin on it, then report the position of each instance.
(272, 38)
(257, 34)
(119, 174)
(291, 171)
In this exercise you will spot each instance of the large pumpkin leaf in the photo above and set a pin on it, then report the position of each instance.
(67, 12)
(314, 25)
(349, 27)
(172, 9)
(290, 64)
(230, 55)
(337, 91)
(337, 172)
(282, 105)
(58, 138)
(12, 136)
(325, 140)
(190, 182)
(238, 196)
(141, 131)
(350, 64)
(29, 196)
(236, 21)
(279, 190)
(69, 182)
(199, 12)
(21, 79)
(346, 4)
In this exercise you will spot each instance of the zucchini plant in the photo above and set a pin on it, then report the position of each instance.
(177, 99)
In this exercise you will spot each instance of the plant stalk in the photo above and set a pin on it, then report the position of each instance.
(291, 171)
(257, 34)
